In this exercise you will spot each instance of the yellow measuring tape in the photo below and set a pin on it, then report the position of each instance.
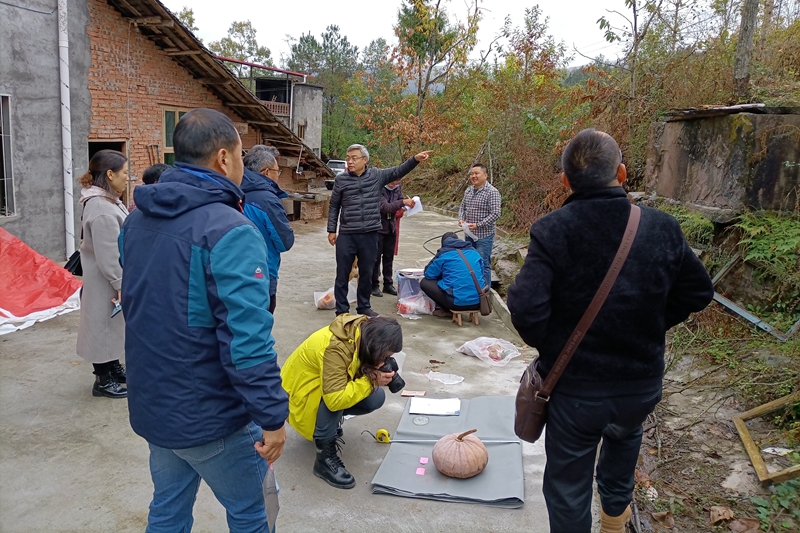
(381, 435)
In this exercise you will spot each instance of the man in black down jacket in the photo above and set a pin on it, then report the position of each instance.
(355, 206)
(614, 379)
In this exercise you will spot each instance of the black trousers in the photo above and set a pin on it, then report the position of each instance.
(350, 246)
(328, 421)
(386, 243)
(442, 299)
(575, 426)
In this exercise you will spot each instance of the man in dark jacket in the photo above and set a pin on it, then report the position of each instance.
(264, 209)
(392, 203)
(448, 281)
(204, 387)
(355, 209)
(614, 379)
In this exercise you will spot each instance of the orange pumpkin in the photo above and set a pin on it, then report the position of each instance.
(460, 455)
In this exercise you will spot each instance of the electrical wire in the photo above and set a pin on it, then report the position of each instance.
(29, 9)
(437, 237)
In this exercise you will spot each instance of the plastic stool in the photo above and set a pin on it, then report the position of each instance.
(472, 316)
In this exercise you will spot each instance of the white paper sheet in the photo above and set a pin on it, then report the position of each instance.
(417, 207)
(434, 406)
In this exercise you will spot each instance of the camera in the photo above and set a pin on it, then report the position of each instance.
(397, 384)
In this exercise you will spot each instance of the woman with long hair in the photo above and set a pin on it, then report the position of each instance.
(101, 337)
(336, 372)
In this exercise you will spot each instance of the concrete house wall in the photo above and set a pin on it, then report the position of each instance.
(307, 110)
(29, 75)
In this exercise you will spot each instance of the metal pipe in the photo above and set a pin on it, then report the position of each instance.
(66, 126)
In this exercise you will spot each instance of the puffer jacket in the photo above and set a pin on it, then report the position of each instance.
(324, 368)
(358, 198)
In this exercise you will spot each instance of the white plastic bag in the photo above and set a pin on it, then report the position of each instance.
(496, 352)
(418, 304)
(326, 300)
(447, 379)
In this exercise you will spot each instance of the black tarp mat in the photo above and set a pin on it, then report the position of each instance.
(501, 484)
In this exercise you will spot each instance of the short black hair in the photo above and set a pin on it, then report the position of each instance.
(591, 160)
(449, 235)
(480, 166)
(153, 173)
(201, 133)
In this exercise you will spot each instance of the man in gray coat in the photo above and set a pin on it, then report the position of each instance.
(355, 208)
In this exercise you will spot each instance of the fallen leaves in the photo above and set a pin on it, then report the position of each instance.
(720, 513)
(745, 525)
(664, 519)
(642, 479)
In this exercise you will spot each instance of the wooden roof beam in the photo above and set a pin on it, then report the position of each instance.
(214, 81)
(185, 53)
(154, 21)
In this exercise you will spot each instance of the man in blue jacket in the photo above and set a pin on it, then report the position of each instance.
(448, 281)
(204, 387)
(264, 209)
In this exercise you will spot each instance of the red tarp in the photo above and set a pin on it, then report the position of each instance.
(30, 282)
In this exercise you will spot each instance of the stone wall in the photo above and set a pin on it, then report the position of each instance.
(722, 165)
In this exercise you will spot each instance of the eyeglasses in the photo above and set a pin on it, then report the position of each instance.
(279, 171)
(351, 158)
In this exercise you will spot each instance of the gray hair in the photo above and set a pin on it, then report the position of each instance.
(259, 159)
(269, 149)
(361, 148)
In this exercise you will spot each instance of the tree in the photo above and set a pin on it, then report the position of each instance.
(186, 16)
(432, 46)
(744, 50)
(333, 61)
(241, 44)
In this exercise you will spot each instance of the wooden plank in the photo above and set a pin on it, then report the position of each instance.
(752, 450)
(233, 104)
(185, 53)
(786, 475)
(213, 81)
(153, 21)
(771, 406)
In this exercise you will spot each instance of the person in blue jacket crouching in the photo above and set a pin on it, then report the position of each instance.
(204, 387)
(448, 281)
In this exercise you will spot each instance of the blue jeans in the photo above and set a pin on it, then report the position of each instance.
(484, 247)
(230, 466)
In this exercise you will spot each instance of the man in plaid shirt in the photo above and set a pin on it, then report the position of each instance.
(480, 209)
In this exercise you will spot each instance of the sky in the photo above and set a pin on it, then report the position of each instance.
(572, 21)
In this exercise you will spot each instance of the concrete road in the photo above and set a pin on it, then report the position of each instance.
(70, 462)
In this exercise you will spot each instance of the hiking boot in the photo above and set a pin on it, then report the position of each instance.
(370, 313)
(118, 372)
(329, 466)
(106, 385)
(614, 524)
(389, 289)
(377, 292)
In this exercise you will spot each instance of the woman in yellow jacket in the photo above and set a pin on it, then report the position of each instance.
(335, 372)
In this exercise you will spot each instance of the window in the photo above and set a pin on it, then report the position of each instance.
(171, 118)
(6, 175)
(301, 131)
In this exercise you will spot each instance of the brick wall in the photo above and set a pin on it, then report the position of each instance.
(145, 78)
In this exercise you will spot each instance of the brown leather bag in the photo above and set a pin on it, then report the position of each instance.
(534, 393)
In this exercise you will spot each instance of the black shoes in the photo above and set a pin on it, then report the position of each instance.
(370, 313)
(389, 289)
(118, 372)
(109, 387)
(329, 466)
(377, 292)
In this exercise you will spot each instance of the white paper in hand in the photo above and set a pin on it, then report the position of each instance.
(468, 232)
(417, 207)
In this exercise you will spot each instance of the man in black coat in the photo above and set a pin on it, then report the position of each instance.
(355, 208)
(614, 379)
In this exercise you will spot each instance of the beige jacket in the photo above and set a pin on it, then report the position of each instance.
(100, 337)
